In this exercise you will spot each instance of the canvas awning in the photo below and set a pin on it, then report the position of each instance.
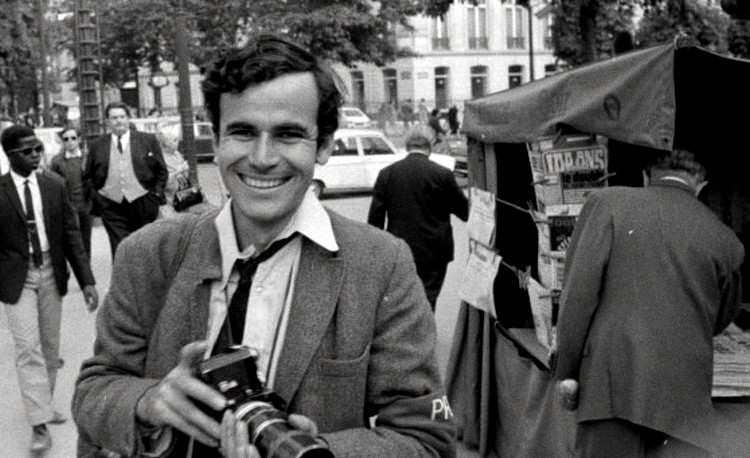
(662, 97)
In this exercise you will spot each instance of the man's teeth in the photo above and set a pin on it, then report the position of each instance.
(265, 183)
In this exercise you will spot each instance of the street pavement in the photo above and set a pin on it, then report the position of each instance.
(78, 331)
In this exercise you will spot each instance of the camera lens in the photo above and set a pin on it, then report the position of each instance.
(274, 437)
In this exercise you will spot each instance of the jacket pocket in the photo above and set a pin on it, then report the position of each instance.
(344, 367)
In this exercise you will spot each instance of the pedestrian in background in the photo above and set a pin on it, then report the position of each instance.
(423, 113)
(651, 275)
(413, 199)
(177, 167)
(333, 307)
(453, 120)
(407, 113)
(126, 170)
(38, 234)
(69, 164)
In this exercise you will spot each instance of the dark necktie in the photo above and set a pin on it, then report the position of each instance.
(36, 247)
(119, 143)
(234, 326)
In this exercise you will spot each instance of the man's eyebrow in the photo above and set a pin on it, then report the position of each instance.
(239, 125)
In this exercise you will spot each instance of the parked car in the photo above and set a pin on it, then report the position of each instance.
(358, 156)
(354, 118)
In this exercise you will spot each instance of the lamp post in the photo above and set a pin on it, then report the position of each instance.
(158, 81)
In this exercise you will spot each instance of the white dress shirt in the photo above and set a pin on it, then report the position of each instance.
(36, 200)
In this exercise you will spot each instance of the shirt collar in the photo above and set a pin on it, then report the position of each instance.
(76, 153)
(311, 220)
(19, 180)
(124, 139)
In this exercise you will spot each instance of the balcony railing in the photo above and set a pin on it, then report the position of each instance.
(516, 42)
(478, 43)
(441, 43)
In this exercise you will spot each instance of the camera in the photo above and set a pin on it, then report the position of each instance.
(235, 375)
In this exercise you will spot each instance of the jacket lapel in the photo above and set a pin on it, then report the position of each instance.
(9, 188)
(316, 292)
(204, 267)
(48, 203)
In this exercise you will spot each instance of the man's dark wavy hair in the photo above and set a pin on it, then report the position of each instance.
(678, 159)
(264, 58)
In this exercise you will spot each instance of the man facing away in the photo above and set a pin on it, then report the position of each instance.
(335, 311)
(69, 164)
(38, 234)
(126, 170)
(651, 275)
(417, 197)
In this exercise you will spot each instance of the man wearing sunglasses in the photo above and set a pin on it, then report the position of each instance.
(38, 234)
(69, 163)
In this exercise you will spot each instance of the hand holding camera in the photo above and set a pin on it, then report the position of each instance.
(171, 401)
(266, 425)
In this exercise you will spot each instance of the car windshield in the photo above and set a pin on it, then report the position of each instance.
(353, 112)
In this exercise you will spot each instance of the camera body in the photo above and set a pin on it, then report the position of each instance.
(235, 375)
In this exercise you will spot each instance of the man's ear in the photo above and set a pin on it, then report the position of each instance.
(699, 186)
(324, 151)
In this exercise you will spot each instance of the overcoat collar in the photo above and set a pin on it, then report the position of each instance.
(316, 292)
(674, 184)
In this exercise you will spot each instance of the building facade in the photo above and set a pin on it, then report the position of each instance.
(472, 51)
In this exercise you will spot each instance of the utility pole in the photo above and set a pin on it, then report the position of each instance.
(89, 70)
(42, 6)
(185, 100)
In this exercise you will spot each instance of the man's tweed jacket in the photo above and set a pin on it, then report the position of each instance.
(360, 340)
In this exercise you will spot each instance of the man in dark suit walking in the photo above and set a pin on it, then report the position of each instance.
(418, 196)
(651, 275)
(38, 234)
(69, 163)
(127, 170)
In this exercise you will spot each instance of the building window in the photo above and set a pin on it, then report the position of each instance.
(478, 81)
(477, 25)
(547, 37)
(515, 75)
(441, 87)
(358, 89)
(550, 69)
(515, 32)
(390, 81)
(440, 40)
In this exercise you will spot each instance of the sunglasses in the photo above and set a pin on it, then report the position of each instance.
(27, 151)
(65, 139)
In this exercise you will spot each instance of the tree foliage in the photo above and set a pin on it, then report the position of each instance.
(706, 25)
(738, 38)
(140, 32)
(19, 57)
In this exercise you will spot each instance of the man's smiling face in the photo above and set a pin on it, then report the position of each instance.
(266, 149)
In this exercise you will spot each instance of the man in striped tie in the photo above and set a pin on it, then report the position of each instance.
(38, 234)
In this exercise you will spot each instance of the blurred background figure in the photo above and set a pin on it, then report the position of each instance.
(177, 167)
(413, 199)
(453, 120)
(69, 164)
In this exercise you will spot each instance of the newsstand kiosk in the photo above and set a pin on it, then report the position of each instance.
(534, 152)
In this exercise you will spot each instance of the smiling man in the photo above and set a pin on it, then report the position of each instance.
(333, 308)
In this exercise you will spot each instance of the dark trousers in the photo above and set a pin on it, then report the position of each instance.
(85, 222)
(432, 278)
(120, 219)
(623, 439)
